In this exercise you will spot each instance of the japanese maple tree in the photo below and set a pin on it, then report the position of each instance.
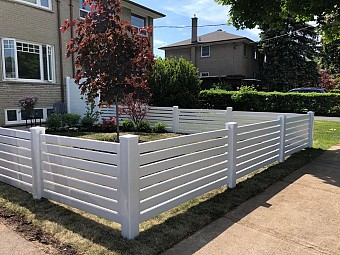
(113, 59)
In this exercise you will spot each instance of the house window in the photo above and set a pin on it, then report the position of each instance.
(84, 9)
(205, 51)
(139, 23)
(40, 3)
(204, 74)
(27, 61)
(17, 116)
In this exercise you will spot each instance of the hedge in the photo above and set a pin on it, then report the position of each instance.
(326, 104)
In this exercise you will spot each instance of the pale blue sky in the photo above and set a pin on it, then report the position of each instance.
(179, 13)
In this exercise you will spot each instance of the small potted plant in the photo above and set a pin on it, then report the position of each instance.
(27, 104)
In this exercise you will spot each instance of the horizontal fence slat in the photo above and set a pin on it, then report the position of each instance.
(16, 167)
(212, 111)
(108, 158)
(249, 142)
(15, 133)
(257, 146)
(185, 159)
(103, 180)
(298, 118)
(303, 126)
(254, 127)
(16, 183)
(15, 175)
(161, 198)
(259, 132)
(255, 161)
(82, 143)
(82, 185)
(296, 134)
(182, 140)
(294, 149)
(16, 158)
(181, 170)
(15, 150)
(257, 153)
(296, 138)
(15, 141)
(255, 167)
(90, 208)
(81, 195)
(297, 143)
(181, 180)
(94, 167)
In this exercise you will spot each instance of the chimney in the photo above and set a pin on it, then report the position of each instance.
(194, 29)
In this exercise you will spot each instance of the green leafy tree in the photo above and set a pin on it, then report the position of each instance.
(111, 56)
(290, 52)
(174, 82)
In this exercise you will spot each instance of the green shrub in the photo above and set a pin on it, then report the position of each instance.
(70, 119)
(143, 126)
(159, 127)
(54, 121)
(91, 116)
(128, 126)
(320, 103)
(222, 85)
(174, 82)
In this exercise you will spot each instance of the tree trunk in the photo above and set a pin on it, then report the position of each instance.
(117, 117)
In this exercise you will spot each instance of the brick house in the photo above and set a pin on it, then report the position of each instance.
(219, 56)
(32, 51)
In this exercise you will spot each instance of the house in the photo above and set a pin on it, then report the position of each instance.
(219, 56)
(32, 51)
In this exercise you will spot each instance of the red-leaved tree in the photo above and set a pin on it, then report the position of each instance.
(111, 56)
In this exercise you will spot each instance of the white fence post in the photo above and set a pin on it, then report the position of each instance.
(282, 120)
(232, 150)
(129, 175)
(175, 119)
(37, 177)
(68, 95)
(311, 129)
(230, 116)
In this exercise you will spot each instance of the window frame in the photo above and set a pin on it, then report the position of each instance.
(38, 4)
(207, 56)
(140, 30)
(81, 9)
(23, 121)
(50, 68)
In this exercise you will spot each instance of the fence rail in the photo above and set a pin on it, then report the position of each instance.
(128, 182)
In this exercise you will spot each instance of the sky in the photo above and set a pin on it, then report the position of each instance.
(179, 13)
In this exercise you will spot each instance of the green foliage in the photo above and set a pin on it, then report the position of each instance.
(222, 85)
(54, 121)
(70, 119)
(320, 103)
(174, 82)
(143, 126)
(91, 116)
(159, 127)
(128, 126)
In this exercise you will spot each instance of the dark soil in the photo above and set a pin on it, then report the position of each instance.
(34, 234)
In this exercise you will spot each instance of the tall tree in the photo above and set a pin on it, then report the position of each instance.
(111, 56)
(290, 51)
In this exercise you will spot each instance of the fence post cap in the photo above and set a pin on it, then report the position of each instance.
(129, 136)
(37, 129)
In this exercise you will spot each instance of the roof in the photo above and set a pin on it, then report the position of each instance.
(217, 36)
(151, 13)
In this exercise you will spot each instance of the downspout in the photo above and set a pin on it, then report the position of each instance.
(62, 91)
(72, 35)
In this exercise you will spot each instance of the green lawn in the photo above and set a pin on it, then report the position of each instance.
(89, 234)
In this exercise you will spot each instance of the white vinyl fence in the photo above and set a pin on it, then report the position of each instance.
(130, 182)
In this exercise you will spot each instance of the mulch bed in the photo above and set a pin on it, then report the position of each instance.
(34, 234)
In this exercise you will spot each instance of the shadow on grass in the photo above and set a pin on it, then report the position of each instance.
(163, 235)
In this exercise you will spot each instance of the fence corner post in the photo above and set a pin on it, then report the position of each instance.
(175, 119)
(311, 129)
(37, 175)
(282, 119)
(230, 115)
(129, 185)
(232, 149)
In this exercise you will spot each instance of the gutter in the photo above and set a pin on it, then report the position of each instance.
(62, 91)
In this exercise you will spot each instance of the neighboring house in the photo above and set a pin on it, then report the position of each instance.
(218, 55)
(32, 50)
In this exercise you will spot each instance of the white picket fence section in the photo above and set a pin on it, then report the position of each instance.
(15, 158)
(130, 182)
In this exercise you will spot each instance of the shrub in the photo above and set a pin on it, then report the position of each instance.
(108, 125)
(143, 126)
(320, 103)
(91, 116)
(54, 121)
(222, 85)
(174, 82)
(159, 127)
(128, 126)
(70, 119)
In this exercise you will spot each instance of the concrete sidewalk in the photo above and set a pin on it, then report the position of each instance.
(299, 215)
